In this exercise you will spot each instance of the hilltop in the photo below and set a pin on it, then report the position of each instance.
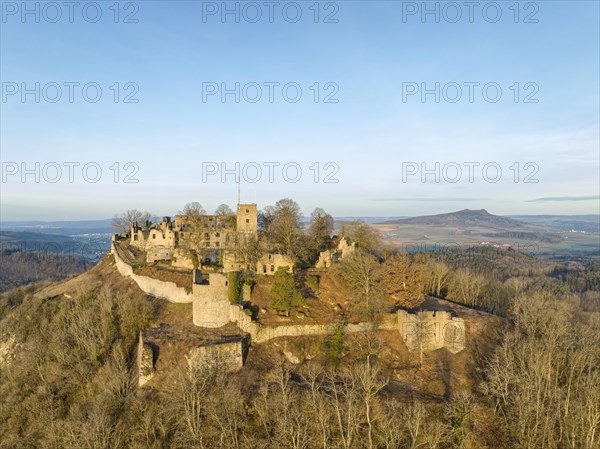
(206, 328)
(169, 330)
(465, 218)
(553, 239)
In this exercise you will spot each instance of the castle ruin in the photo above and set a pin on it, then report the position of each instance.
(206, 246)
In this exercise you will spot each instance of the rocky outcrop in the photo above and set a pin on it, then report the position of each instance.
(7, 350)
(145, 362)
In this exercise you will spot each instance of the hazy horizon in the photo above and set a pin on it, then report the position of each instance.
(305, 215)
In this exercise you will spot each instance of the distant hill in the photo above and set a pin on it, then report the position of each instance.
(60, 227)
(11, 239)
(90, 248)
(19, 267)
(465, 218)
(564, 223)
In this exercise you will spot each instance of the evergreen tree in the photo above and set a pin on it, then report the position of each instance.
(285, 291)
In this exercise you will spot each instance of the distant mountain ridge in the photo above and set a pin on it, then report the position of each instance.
(92, 247)
(464, 218)
(32, 240)
(564, 223)
(60, 227)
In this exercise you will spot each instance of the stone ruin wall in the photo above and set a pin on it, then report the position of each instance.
(211, 307)
(228, 356)
(327, 258)
(181, 259)
(145, 362)
(160, 289)
(158, 253)
(269, 263)
(422, 331)
(211, 301)
(230, 263)
(266, 265)
(425, 330)
(430, 330)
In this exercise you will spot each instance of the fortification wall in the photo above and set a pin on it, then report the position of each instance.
(211, 302)
(160, 289)
(165, 290)
(261, 334)
(209, 313)
(430, 330)
(237, 315)
(228, 356)
(425, 330)
(123, 267)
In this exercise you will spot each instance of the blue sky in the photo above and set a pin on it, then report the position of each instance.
(370, 57)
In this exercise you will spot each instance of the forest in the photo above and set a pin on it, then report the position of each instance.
(23, 267)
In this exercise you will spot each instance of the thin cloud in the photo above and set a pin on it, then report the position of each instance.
(428, 199)
(565, 198)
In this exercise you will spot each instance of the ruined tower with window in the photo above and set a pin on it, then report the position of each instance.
(247, 218)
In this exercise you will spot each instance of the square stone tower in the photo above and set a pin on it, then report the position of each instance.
(247, 218)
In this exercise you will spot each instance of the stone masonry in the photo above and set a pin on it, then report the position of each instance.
(145, 362)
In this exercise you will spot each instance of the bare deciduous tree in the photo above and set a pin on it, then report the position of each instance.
(438, 277)
(192, 213)
(466, 287)
(370, 382)
(343, 390)
(320, 229)
(362, 275)
(223, 210)
(124, 221)
(404, 280)
(287, 225)
(541, 376)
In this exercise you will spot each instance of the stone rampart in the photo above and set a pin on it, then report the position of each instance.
(160, 289)
(228, 356)
(211, 301)
(425, 330)
(430, 330)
